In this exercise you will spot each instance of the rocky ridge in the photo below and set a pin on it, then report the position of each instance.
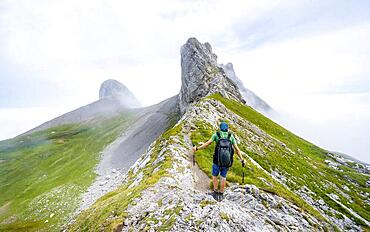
(201, 75)
(174, 204)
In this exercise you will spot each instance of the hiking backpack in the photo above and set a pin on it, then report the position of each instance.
(224, 151)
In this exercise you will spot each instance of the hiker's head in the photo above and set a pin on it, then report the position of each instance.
(224, 126)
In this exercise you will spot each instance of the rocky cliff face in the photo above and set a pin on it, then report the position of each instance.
(113, 89)
(201, 76)
(251, 98)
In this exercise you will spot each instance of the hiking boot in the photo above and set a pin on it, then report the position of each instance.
(214, 194)
(221, 196)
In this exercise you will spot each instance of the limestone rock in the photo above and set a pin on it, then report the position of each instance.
(200, 75)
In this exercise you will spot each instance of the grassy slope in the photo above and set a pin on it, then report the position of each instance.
(307, 165)
(85, 141)
(252, 174)
(43, 173)
(109, 211)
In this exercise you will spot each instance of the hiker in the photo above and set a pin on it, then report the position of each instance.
(222, 158)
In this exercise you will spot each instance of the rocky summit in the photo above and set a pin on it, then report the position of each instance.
(113, 89)
(135, 170)
(201, 75)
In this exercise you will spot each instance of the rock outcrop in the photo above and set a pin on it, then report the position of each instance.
(251, 98)
(201, 76)
(113, 89)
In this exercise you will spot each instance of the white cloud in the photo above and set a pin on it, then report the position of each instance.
(76, 45)
(337, 122)
(306, 64)
(292, 74)
(79, 44)
(318, 83)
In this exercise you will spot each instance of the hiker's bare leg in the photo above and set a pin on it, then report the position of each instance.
(223, 184)
(215, 183)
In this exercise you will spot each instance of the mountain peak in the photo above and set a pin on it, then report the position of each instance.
(251, 98)
(113, 89)
(201, 76)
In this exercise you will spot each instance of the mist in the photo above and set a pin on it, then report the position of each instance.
(307, 59)
(335, 122)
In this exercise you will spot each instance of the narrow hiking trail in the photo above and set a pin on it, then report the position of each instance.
(179, 200)
(202, 181)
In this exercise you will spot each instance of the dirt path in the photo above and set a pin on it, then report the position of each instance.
(202, 181)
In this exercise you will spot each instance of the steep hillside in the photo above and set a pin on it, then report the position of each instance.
(340, 194)
(43, 174)
(160, 193)
(61, 167)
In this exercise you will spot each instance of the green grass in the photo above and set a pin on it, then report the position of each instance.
(45, 172)
(108, 213)
(306, 167)
(252, 174)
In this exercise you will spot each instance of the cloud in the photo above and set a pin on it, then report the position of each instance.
(318, 83)
(78, 44)
(301, 57)
(307, 64)
(337, 122)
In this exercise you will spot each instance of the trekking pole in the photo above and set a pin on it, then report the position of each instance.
(193, 156)
(243, 171)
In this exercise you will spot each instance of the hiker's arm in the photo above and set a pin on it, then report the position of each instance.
(238, 152)
(204, 145)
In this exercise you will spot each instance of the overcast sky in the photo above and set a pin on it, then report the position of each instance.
(308, 59)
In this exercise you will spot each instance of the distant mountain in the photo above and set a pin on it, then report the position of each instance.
(134, 169)
(350, 158)
(61, 167)
(250, 97)
(114, 98)
(112, 89)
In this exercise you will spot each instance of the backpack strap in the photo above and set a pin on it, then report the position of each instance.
(218, 135)
(229, 135)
